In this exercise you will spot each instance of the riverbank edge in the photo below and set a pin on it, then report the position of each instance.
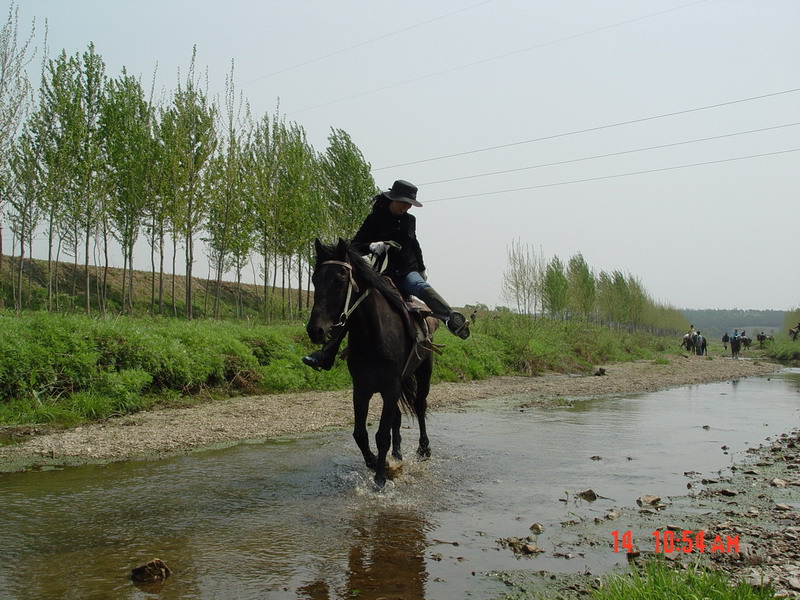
(165, 433)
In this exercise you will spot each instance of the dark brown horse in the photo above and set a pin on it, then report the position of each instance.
(736, 346)
(382, 357)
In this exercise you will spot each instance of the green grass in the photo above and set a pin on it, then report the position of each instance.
(67, 368)
(657, 581)
(784, 350)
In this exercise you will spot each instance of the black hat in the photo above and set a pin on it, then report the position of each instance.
(403, 191)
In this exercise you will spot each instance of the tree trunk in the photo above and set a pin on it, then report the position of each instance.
(174, 253)
(189, 261)
(88, 292)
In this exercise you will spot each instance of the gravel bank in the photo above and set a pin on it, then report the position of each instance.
(162, 433)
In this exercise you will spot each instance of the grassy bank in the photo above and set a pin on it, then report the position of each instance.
(784, 350)
(66, 369)
(656, 580)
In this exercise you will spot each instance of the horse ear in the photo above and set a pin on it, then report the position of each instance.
(342, 247)
(318, 247)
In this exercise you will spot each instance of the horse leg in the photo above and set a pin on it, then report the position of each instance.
(421, 406)
(384, 434)
(360, 410)
(396, 437)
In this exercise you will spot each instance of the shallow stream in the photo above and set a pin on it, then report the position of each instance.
(299, 518)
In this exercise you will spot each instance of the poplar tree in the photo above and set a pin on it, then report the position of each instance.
(89, 206)
(129, 151)
(555, 288)
(582, 287)
(230, 222)
(263, 161)
(15, 90)
(26, 189)
(347, 184)
(190, 140)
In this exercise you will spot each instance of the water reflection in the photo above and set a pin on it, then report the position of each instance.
(386, 559)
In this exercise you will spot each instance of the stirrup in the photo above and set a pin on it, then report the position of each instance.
(457, 325)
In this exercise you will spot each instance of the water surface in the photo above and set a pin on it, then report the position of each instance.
(299, 518)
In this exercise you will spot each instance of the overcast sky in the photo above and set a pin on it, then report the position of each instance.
(572, 126)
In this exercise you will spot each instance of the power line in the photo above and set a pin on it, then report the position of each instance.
(589, 129)
(574, 160)
(365, 42)
(496, 57)
(545, 185)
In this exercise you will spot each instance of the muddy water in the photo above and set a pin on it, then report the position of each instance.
(298, 518)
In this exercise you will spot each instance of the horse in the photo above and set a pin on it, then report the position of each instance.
(746, 341)
(700, 345)
(736, 345)
(383, 357)
(688, 342)
(793, 333)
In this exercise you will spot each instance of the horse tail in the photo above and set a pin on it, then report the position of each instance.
(408, 395)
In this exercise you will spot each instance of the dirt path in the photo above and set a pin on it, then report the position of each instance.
(161, 433)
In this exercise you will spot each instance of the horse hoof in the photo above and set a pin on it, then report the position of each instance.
(424, 452)
(380, 482)
(397, 455)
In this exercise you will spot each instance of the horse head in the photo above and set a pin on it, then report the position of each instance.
(333, 285)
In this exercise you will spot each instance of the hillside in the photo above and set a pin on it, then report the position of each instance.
(242, 300)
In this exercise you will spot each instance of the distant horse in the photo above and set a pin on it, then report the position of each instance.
(700, 345)
(746, 341)
(736, 345)
(688, 342)
(762, 339)
(793, 333)
(383, 356)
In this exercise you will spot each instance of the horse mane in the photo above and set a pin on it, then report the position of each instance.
(375, 280)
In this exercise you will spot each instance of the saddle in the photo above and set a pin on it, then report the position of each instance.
(419, 328)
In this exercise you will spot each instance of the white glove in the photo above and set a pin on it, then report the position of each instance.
(378, 247)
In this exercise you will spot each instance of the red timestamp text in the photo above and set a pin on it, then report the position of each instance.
(686, 541)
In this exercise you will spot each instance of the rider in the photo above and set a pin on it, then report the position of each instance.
(390, 222)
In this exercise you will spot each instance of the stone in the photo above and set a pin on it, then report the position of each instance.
(648, 500)
(155, 570)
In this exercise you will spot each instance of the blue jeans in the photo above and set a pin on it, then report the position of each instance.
(412, 284)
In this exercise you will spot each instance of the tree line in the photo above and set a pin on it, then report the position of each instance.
(95, 163)
(572, 290)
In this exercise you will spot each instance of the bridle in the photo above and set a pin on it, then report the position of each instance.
(352, 287)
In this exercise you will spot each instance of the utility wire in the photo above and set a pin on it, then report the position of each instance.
(598, 128)
(365, 42)
(574, 160)
(496, 57)
(545, 185)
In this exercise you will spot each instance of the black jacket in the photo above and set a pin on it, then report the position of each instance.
(381, 226)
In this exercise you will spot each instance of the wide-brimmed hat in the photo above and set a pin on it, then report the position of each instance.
(402, 191)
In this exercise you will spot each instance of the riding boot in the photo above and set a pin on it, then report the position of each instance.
(456, 322)
(323, 359)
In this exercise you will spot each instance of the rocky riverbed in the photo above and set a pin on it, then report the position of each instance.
(749, 519)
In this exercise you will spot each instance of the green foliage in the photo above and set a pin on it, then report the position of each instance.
(658, 581)
(71, 368)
